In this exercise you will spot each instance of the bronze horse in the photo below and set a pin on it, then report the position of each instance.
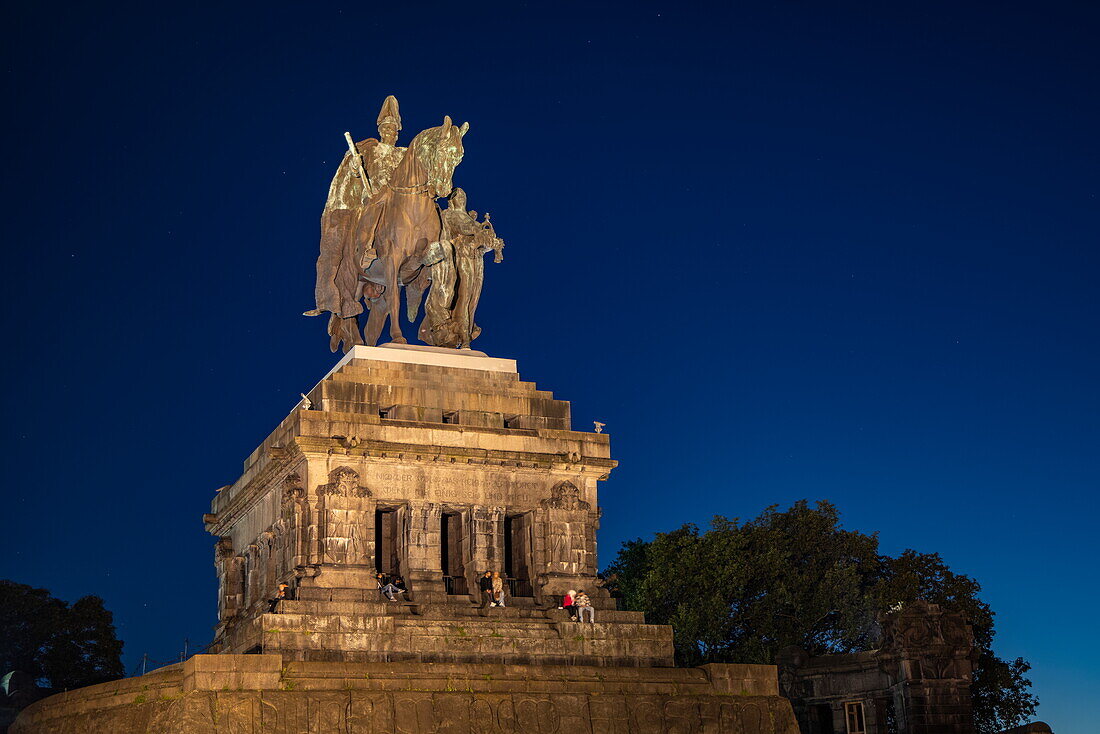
(388, 243)
(401, 224)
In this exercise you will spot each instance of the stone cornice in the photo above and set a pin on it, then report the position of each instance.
(371, 420)
(276, 460)
(467, 455)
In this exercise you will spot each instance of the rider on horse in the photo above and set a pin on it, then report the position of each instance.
(339, 288)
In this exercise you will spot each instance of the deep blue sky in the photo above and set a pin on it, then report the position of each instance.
(784, 250)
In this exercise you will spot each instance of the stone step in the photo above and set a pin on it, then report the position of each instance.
(478, 628)
(456, 610)
(451, 611)
(439, 373)
(361, 638)
(369, 596)
(382, 624)
(367, 376)
(369, 609)
(604, 616)
(484, 678)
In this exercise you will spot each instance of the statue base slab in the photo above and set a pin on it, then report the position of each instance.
(251, 694)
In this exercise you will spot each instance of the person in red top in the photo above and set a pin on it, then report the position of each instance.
(567, 603)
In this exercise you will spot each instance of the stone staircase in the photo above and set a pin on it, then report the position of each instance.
(353, 625)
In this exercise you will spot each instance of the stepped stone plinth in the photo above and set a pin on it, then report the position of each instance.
(434, 465)
(256, 694)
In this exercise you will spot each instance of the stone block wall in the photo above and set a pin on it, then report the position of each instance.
(916, 682)
(364, 480)
(236, 695)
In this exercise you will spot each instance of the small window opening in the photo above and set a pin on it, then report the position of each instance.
(451, 417)
(853, 715)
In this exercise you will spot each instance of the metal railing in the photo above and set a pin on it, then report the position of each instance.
(520, 587)
(455, 585)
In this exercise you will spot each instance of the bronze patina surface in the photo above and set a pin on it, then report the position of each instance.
(382, 230)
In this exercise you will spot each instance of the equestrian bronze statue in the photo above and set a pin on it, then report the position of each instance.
(382, 230)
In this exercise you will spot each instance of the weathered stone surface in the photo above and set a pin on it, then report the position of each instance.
(420, 698)
(916, 682)
(439, 470)
(232, 672)
(411, 462)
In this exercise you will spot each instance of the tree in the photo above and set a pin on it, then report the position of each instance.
(61, 646)
(740, 592)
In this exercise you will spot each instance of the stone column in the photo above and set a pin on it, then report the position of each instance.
(486, 543)
(292, 529)
(229, 579)
(565, 551)
(422, 569)
(341, 536)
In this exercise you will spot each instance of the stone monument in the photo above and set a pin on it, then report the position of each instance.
(917, 681)
(382, 500)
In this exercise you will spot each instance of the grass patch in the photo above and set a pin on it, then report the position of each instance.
(284, 684)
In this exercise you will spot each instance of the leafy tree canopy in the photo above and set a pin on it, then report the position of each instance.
(61, 646)
(742, 591)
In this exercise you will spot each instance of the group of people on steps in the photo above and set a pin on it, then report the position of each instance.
(492, 589)
(577, 603)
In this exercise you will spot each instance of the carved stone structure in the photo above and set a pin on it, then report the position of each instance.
(260, 694)
(916, 682)
(437, 465)
(434, 465)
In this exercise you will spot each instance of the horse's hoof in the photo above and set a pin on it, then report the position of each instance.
(399, 340)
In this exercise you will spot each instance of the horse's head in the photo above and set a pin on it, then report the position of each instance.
(439, 150)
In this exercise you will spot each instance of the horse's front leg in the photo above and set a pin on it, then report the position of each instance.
(393, 303)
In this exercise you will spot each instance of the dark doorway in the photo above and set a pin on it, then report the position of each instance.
(385, 542)
(517, 554)
(822, 719)
(451, 557)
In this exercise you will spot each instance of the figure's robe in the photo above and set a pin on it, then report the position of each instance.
(339, 263)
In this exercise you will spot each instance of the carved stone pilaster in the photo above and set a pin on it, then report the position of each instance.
(927, 654)
(342, 520)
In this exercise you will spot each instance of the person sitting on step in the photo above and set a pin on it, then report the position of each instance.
(385, 586)
(567, 604)
(584, 604)
(485, 584)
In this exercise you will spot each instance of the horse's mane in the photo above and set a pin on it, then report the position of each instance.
(422, 153)
(425, 145)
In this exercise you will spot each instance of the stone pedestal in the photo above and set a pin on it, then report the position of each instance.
(254, 694)
(436, 465)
